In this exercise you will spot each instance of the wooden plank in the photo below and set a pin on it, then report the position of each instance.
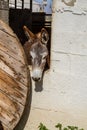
(9, 40)
(4, 27)
(10, 52)
(10, 80)
(10, 111)
(13, 67)
(14, 78)
(3, 126)
(9, 88)
(11, 44)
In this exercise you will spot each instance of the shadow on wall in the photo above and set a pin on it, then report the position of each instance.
(25, 116)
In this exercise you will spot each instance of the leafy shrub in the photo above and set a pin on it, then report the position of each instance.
(59, 126)
(42, 127)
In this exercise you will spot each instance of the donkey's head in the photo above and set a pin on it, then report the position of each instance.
(38, 51)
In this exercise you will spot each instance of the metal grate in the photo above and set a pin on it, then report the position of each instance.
(20, 4)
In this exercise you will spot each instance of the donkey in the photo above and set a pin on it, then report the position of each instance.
(37, 52)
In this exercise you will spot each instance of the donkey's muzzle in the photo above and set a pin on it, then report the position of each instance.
(36, 74)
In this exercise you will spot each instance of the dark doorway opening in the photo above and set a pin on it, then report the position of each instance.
(35, 21)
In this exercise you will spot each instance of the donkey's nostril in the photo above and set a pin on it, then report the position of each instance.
(36, 79)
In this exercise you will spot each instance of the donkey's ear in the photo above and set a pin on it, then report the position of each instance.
(28, 33)
(44, 36)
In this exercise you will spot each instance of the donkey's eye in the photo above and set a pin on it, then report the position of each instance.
(44, 57)
(30, 56)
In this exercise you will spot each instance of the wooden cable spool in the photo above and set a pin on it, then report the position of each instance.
(14, 78)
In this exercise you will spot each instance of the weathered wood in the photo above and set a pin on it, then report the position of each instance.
(13, 68)
(4, 10)
(14, 78)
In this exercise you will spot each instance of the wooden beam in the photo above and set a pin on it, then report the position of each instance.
(15, 4)
(31, 6)
(22, 4)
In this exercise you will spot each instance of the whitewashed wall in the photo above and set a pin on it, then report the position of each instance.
(64, 95)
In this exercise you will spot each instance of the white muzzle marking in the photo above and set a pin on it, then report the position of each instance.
(36, 74)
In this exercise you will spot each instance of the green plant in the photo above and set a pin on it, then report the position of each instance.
(72, 127)
(65, 129)
(42, 127)
(59, 126)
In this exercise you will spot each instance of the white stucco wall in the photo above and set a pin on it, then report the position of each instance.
(64, 95)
